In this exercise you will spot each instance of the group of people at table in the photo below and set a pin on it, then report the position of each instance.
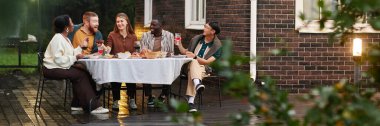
(72, 42)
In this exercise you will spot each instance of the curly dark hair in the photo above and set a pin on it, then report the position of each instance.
(60, 22)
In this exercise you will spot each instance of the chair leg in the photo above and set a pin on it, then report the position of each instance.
(179, 89)
(220, 93)
(42, 90)
(38, 94)
(104, 96)
(109, 95)
(170, 94)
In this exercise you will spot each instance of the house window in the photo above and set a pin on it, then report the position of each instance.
(147, 12)
(313, 14)
(195, 14)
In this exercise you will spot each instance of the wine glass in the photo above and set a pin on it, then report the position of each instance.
(85, 43)
(177, 38)
(99, 43)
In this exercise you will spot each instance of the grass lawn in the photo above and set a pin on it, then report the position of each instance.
(9, 56)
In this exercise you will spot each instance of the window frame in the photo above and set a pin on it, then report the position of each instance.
(313, 25)
(189, 15)
(148, 7)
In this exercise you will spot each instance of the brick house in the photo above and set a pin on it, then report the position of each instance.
(255, 27)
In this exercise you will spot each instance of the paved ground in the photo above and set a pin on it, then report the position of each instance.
(18, 92)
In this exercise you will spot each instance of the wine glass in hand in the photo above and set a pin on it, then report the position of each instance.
(85, 43)
(177, 38)
(100, 45)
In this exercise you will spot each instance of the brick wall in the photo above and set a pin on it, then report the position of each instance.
(225, 12)
(311, 62)
(233, 16)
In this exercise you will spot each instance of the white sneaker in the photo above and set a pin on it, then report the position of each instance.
(115, 104)
(76, 109)
(132, 104)
(99, 110)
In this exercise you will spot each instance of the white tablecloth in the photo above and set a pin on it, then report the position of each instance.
(150, 71)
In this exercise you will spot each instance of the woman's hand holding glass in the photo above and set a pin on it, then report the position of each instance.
(177, 39)
(101, 47)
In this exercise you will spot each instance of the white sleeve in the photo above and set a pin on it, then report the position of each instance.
(77, 51)
(59, 55)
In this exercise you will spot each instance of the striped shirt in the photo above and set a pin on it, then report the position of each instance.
(167, 41)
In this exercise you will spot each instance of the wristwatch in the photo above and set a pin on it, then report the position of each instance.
(195, 57)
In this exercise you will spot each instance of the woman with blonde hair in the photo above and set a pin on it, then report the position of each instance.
(122, 39)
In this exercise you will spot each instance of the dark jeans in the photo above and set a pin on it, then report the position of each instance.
(83, 86)
(131, 90)
(148, 90)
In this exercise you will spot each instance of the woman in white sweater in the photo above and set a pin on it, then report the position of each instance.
(60, 63)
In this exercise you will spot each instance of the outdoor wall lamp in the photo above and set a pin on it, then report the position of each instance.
(357, 47)
(356, 53)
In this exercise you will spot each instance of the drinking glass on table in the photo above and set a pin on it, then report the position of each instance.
(99, 43)
(177, 38)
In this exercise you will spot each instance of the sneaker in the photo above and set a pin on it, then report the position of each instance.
(150, 103)
(76, 109)
(200, 88)
(99, 110)
(132, 104)
(192, 107)
(115, 104)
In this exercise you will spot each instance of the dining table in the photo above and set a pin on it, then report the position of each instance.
(135, 70)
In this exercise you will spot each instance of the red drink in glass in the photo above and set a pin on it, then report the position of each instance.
(177, 38)
(100, 51)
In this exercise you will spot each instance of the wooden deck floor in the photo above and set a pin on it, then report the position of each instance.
(18, 92)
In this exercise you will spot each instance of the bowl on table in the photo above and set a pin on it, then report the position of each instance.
(152, 55)
(124, 55)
